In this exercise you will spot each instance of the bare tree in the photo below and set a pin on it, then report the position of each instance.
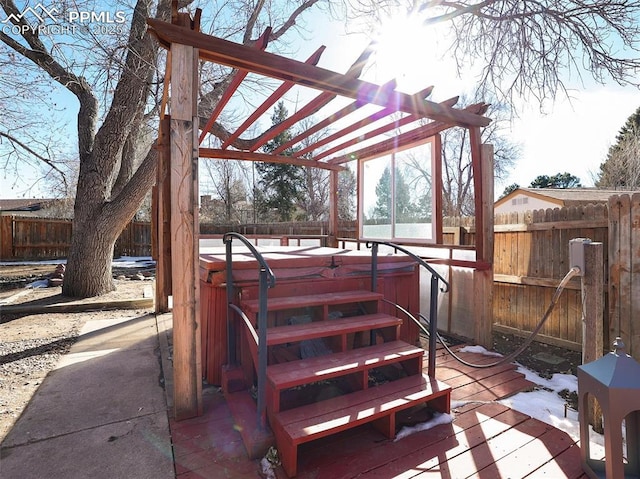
(114, 76)
(347, 186)
(457, 183)
(528, 47)
(313, 204)
(227, 181)
(621, 169)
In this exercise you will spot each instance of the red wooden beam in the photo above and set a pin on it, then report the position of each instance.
(362, 123)
(239, 76)
(314, 105)
(360, 138)
(240, 56)
(267, 158)
(373, 133)
(274, 97)
(398, 143)
(402, 141)
(328, 121)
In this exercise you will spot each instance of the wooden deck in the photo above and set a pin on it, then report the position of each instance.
(486, 440)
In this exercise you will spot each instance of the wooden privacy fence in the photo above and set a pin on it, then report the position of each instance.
(531, 258)
(28, 238)
(624, 272)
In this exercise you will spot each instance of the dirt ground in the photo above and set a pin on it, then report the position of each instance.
(31, 345)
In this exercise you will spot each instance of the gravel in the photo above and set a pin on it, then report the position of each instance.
(23, 366)
(31, 345)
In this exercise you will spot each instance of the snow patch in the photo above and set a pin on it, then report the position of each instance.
(438, 418)
(479, 350)
(41, 283)
(546, 405)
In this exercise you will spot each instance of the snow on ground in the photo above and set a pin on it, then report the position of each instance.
(544, 403)
(122, 262)
(134, 262)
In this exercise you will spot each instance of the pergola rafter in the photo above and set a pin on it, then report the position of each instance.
(351, 108)
(269, 102)
(239, 56)
(235, 83)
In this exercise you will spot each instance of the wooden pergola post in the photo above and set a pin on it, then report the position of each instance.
(332, 234)
(187, 365)
(163, 218)
(482, 164)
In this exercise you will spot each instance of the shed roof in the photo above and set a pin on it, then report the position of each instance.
(565, 196)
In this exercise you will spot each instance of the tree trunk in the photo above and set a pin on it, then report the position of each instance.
(97, 224)
(88, 270)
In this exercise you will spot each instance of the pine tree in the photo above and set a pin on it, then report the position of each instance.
(621, 169)
(280, 183)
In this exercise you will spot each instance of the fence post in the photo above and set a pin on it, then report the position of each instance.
(6, 237)
(592, 317)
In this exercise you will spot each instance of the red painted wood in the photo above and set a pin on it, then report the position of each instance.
(297, 301)
(531, 456)
(506, 389)
(239, 76)
(348, 455)
(305, 371)
(565, 465)
(332, 416)
(211, 444)
(273, 98)
(387, 397)
(332, 327)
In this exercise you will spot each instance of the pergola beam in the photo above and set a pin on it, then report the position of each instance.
(370, 134)
(264, 157)
(246, 58)
(347, 110)
(400, 142)
(235, 83)
(313, 106)
(274, 97)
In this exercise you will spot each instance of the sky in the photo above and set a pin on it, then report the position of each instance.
(571, 136)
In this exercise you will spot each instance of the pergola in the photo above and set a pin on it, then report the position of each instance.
(176, 195)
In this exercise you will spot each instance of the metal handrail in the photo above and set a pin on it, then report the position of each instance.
(266, 280)
(433, 300)
(371, 244)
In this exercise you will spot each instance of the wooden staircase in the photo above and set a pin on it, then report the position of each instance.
(335, 362)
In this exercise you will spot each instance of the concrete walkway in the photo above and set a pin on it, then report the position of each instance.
(102, 413)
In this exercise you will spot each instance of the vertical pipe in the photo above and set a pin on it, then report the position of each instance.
(374, 282)
(231, 329)
(433, 325)
(262, 349)
(374, 266)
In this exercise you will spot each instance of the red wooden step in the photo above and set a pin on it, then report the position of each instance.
(355, 362)
(291, 302)
(377, 404)
(330, 327)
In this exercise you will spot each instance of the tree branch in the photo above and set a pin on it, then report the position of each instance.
(45, 160)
